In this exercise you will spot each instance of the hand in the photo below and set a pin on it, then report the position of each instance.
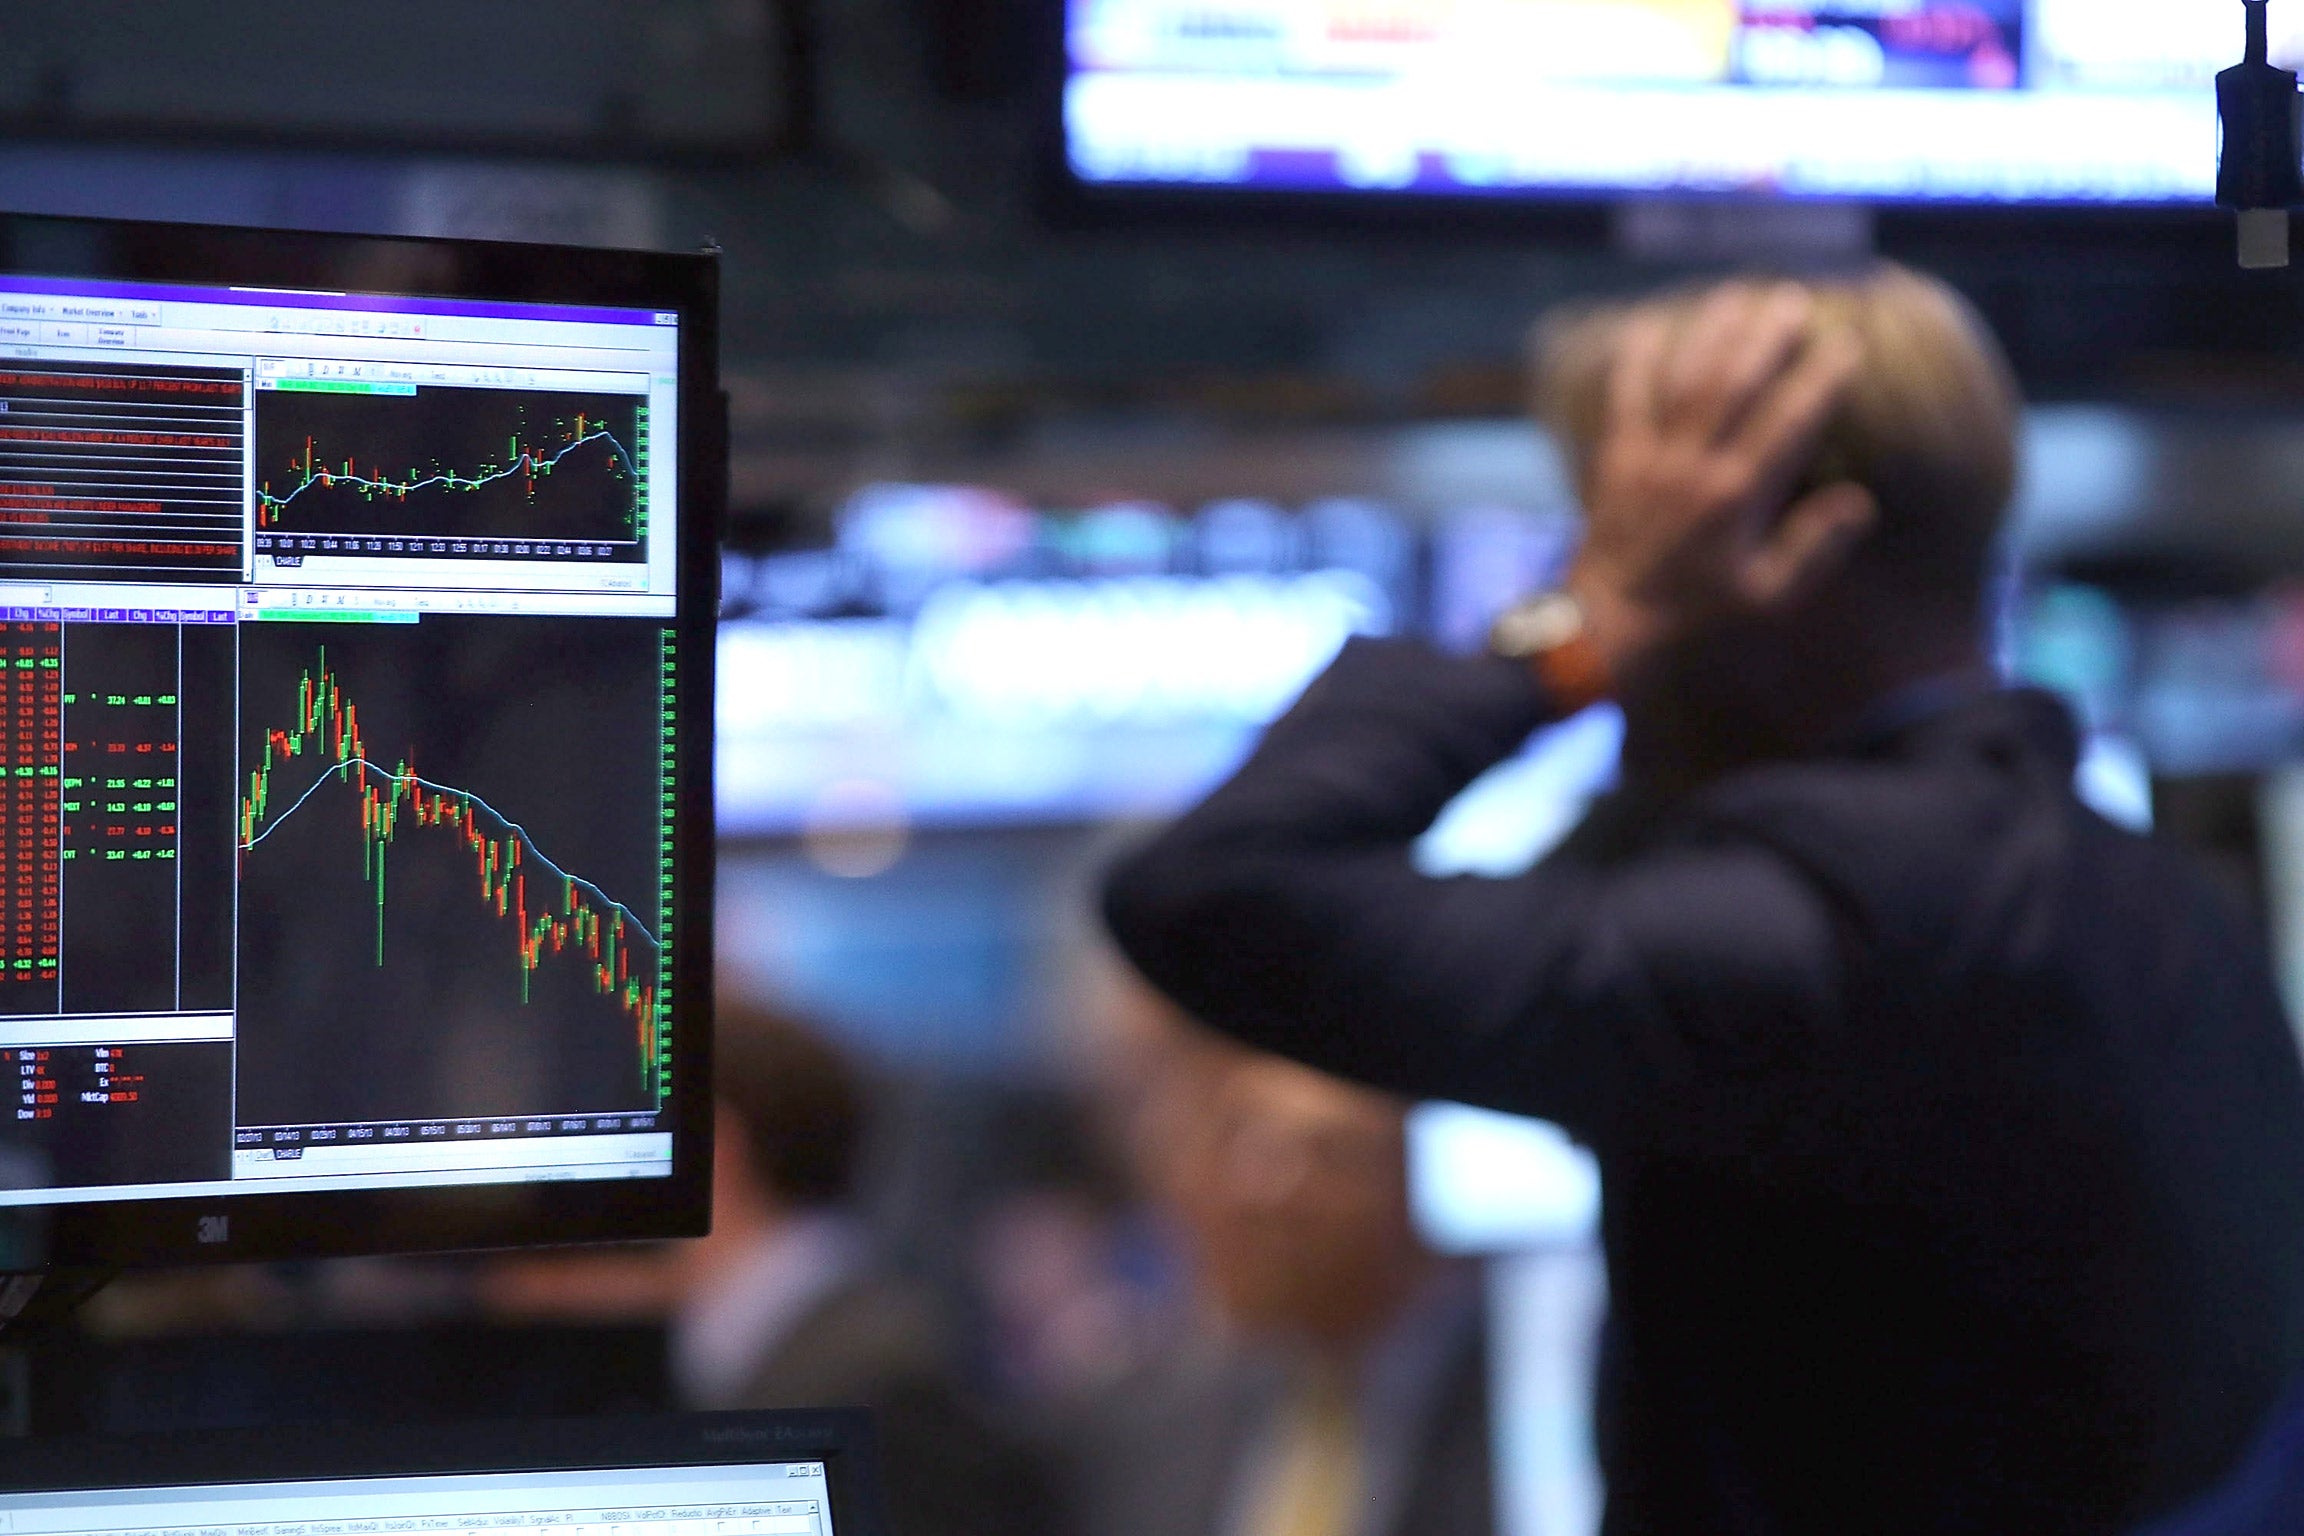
(1706, 436)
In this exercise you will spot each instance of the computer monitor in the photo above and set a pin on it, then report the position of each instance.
(731, 1474)
(356, 607)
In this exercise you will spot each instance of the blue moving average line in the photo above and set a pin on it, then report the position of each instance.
(451, 478)
(342, 772)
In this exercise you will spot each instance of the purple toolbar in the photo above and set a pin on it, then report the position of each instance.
(285, 298)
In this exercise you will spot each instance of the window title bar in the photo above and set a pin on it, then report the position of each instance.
(280, 298)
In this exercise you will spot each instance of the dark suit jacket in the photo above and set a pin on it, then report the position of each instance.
(2264, 1496)
(947, 1467)
(1953, 1140)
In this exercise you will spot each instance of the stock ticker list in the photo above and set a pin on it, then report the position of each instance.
(31, 816)
(116, 892)
(117, 888)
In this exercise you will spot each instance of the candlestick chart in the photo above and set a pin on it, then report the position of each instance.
(449, 900)
(453, 464)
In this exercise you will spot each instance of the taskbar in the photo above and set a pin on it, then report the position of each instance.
(437, 1164)
(289, 549)
(286, 1143)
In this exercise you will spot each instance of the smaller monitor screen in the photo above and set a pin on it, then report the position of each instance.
(961, 658)
(760, 1499)
(1896, 100)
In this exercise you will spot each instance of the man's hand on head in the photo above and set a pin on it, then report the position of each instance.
(1710, 426)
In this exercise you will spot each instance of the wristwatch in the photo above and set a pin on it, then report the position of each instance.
(1548, 635)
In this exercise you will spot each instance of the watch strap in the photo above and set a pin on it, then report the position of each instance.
(1548, 635)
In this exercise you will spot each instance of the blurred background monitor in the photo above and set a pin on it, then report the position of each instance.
(675, 79)
(960, 658)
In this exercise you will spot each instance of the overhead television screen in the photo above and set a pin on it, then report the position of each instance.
(1963, 101)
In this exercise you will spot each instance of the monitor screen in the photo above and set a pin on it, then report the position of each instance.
(786, 1473)
(342, 666)
(2086, 101)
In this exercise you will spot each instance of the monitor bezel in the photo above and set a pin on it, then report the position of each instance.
(102, 1234)
(839, 1438)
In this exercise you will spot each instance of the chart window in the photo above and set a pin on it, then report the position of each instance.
(538, 466)
(338, 671)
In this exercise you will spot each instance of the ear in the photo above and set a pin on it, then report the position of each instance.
(1809, 545)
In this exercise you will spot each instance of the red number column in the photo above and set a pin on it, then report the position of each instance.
(19, 863)
(31, 810)
(50, 778)
(23, 802)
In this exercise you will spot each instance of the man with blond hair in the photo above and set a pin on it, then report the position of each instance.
(1953, 1140)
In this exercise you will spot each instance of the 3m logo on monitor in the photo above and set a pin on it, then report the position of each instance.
(215, 1229)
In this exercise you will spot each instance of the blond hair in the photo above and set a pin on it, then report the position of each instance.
(1928, 426)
